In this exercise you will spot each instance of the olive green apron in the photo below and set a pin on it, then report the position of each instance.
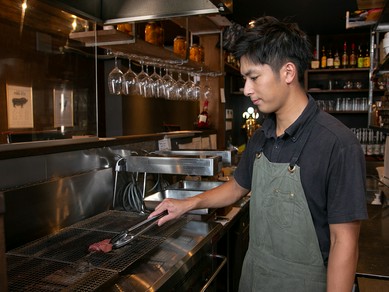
(284, 252)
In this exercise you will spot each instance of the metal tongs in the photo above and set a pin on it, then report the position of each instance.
(125, 237)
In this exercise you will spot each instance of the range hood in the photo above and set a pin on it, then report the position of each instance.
(120, 11)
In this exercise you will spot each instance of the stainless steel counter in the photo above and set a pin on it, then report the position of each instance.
(160, 258)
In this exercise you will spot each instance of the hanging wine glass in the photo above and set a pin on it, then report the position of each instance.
(147, 84)
(207, 92)
(196, 92)
(155, 85)
(142, 79)
(188, 88)
(168, 83)
(129, 81)
(115, 79)
(178, 87)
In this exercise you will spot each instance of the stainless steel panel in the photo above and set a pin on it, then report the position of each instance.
(194, 185)
(119, 11)
(153, 200)
(21, 171)
(41, 209)
(207, 166)
(227, 156)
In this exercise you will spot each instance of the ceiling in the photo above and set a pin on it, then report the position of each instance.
(313, 16)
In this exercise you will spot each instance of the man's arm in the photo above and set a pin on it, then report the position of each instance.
(221, 196)
(343, 256)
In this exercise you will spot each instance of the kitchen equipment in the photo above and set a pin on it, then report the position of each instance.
(62, 262)
(153, 200)
(194, 185)
(126, 236)
(228, 157)
(207, 165)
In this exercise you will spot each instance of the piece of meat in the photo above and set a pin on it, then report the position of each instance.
(101, 246)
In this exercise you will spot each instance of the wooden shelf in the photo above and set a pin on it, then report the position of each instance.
(205, 24)
(123, 43)
(354, 24)
(102, 37)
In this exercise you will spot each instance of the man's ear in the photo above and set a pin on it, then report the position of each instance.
(290, 72)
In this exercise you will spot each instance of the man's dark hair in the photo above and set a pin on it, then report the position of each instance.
(270, 41)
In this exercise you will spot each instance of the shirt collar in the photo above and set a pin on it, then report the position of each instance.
(295, 130)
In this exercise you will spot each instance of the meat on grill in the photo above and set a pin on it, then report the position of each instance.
(101, 246)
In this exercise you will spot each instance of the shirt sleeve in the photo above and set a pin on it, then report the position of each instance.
(347, 185)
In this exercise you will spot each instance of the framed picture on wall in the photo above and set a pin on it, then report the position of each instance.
(19, 107)
(63, 108)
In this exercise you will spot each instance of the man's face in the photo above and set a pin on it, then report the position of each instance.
(263, 86)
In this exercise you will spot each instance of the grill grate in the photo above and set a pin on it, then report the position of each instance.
(33, 274)
(69, 245)
(37, 266)
(111, 221)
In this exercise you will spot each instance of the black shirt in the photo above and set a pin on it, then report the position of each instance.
(332, 167)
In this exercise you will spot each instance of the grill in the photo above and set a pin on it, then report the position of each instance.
(62, 262)
(34, 274)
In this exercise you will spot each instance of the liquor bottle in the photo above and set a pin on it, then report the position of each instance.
(323, 59)
(366, 59)
(203, 121)
(315, 64)
(330, 60)
(336, 60)
(360, 57)
(353, 57)
(344, 56)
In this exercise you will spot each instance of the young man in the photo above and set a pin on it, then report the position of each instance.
(305, 171)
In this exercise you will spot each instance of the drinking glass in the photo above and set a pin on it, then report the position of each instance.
(168, 82)
(178, 87)
(196, 90)
(142, 79)
(156, 84)
(129, 81)
(188, 88)
(207, 91)
(115, 79)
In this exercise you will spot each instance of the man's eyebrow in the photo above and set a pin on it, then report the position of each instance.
(248, 72)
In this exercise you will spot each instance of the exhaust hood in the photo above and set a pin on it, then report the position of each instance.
(120, 11)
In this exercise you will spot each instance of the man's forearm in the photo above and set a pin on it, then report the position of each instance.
(343, 257)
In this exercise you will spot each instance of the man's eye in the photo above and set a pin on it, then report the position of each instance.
(254, 78)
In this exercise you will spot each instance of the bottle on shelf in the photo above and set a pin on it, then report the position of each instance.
(366, 58)
(344, 56)
(315, 64)
(353, 57)
(323, 63)
(360, 57)
(336, 60)
(203, 119)
(330, 60)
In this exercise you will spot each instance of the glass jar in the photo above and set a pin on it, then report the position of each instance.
(151, 33)
(179, 46)
(196, 53)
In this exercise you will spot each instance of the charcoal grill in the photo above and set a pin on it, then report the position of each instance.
(45, 264)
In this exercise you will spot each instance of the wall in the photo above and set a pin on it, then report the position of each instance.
(36, 53)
